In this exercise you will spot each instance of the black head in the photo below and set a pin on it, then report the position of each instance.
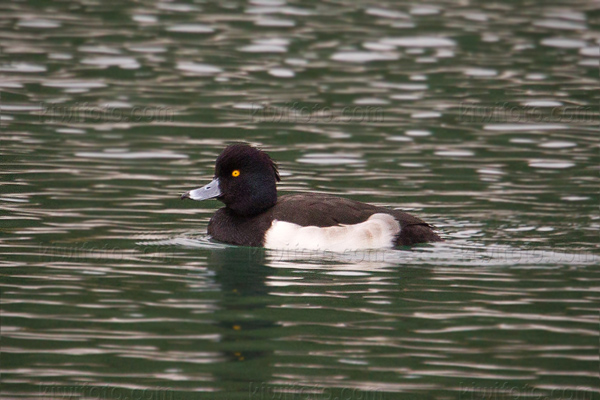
(245, 180)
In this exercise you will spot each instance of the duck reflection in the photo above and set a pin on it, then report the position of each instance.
(276, 306)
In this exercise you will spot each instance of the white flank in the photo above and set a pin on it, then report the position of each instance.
(379, 231)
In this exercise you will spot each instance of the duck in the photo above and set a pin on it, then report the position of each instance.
(245, 180)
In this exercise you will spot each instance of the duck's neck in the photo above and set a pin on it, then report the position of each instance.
(260, 200)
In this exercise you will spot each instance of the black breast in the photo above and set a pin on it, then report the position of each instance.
(228, 227)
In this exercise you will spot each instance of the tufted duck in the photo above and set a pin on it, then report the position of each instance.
(245, 180)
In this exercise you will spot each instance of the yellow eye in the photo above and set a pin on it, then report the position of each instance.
(235, 173)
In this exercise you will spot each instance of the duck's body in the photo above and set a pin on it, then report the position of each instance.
(245, 180)
(320, 211)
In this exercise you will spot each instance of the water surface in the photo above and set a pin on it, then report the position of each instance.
(479, 117)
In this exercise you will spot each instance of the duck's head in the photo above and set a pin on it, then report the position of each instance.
(245, 180)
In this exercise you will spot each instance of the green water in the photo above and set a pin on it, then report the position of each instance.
(481, 118)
